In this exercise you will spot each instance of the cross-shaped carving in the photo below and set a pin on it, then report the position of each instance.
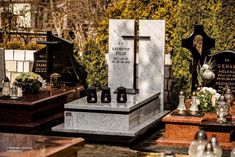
(199, 43)
(136, 38)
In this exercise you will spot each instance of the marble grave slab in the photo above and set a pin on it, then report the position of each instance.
(121, 54)
(151, 56)
(118, 119)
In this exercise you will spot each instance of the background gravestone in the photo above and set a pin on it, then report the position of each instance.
(40, 62)
(121, 54)
(151, 56)
(2, 66)
(224, 70)
(199, 44)
(58, 57)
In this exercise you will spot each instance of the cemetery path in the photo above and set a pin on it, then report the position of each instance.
(93, 150)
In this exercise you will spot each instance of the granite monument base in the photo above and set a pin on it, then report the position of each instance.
(124, 121)
(180, 130)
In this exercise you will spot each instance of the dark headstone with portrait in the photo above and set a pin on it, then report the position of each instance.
(57, 57)
(224, 68)
(199, 44)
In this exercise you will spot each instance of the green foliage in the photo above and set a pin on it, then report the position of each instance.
(21, 46)
(94, 61)
(212, 15)
(14, 45)
(204, 96)
(33, 46)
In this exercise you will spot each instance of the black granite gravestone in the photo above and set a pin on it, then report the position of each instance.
(224, 70)
(58, 57)
(2, 66)
(199, 43)
(40, 62)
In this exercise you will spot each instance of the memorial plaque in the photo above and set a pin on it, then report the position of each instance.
(224, 70)
(40, 63)
(2, 66)
(151, 56)
(121, 54)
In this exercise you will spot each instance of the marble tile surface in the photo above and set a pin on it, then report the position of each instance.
(133, 101)
(151, 56)
(139, 129)
(101, 117)
(121, 53)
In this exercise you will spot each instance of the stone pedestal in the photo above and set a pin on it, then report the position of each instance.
(130, 119)
(180, 130)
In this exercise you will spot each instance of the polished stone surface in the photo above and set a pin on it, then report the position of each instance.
(120, 119)
(121, 53)
(114, 117)
(136, 131)
(36, 111)
(34, 99)
(181, 130)
(114, 122)
(133, 101)
(19, 145)
(151, 56)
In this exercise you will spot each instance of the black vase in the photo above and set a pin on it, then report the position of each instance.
(121, 95)
(91, 95)
(105, 95)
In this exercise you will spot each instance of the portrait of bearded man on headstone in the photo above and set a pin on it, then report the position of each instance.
(197, 43)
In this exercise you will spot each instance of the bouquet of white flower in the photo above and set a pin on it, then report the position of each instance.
(205, 73)
(207, 97)
(30, 82)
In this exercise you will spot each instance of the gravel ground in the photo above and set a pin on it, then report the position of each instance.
(92, 150)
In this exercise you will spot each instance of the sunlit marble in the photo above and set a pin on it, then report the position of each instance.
(151, 56)
(121, 53)
(128, 119)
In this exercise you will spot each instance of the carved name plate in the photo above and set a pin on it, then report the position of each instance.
(224, 70)
(121, 53)
(40, 63)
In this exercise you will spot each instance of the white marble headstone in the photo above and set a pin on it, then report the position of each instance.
(121, 53)
(151, 56)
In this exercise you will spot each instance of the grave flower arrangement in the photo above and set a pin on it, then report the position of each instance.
(206, 99)
(29, 82)
(205, 73)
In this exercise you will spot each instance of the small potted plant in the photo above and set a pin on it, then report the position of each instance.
(29, 82)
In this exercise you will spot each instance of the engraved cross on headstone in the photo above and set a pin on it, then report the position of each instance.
(135, 38)
(199, 43)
